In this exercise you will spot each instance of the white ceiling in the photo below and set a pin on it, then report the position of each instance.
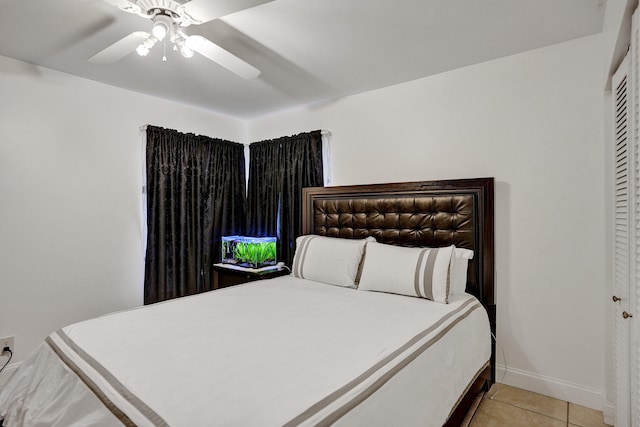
(308, 50)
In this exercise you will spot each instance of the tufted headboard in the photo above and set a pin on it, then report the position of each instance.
(427, 213)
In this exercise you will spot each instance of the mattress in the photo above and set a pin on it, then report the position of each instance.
(284, 351)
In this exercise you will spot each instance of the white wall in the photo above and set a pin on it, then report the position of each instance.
(534, 122)
(70, 196)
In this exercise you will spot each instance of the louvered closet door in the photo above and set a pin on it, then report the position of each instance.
(626, 288)
(630, 306)
(622, 272)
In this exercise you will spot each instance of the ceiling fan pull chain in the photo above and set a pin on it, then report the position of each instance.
(164, 52)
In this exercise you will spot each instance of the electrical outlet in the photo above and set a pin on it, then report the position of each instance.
(6, 342)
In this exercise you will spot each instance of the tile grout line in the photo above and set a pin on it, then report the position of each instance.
(534, 412)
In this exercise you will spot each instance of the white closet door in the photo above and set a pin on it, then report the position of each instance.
(623, 134)
(631, 305)
(626, 288)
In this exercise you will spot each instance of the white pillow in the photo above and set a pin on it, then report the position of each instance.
(328, 259)
(459, 265)
(418, 272)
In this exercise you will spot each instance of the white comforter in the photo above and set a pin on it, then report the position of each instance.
(285, 351)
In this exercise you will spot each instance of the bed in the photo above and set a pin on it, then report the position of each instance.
(297, 350)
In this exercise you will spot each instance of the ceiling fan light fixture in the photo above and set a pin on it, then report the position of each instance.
(159, 30)
(186, 51)
(181, 43)
(161, 25)
(142, 50)
(144, 47)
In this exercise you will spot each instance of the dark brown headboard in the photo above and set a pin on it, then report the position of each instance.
(427, 213)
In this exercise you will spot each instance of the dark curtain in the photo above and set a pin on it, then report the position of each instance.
(278, 170)
(195, 195)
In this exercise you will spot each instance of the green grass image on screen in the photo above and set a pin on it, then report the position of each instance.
(251, 252)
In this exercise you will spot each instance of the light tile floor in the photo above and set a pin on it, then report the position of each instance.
(509, 406)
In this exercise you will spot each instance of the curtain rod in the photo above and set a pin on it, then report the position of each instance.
(322, 132)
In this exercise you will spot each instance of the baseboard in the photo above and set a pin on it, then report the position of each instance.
(609, 412)
(552, 387)
(8, 372)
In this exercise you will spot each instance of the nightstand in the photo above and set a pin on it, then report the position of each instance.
(223, 277)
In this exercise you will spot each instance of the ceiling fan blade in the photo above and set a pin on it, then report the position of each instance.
(119, 49)
(125, 5)
(226, 59)
(207, 10)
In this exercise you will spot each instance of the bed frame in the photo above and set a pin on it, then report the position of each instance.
(427, 213)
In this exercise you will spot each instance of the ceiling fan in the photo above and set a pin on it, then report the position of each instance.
(169, 18)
